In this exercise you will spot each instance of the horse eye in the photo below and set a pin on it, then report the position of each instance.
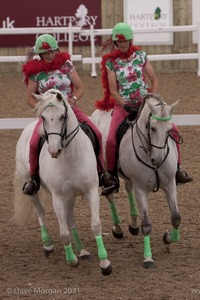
(62, 117)
(153, 129)
(43, 118)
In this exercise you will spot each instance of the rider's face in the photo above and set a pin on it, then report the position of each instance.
(49, 56)
(123, 46)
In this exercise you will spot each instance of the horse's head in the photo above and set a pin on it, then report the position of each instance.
(158, 125)
(54, 112)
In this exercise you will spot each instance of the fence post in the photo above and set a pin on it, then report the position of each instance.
(198, 46)
(92, 42)
(70, 35)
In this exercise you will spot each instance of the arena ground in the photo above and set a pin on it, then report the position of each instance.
(27, 274)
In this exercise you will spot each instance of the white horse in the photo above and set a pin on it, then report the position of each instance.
(68, 169)
(147, 161)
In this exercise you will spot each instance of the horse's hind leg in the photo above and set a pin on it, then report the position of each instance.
(116, 230)
(72, 224)
(46, 238)
(133, 226)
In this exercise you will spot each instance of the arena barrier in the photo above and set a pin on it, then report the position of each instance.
(20, 123)
(93, 60)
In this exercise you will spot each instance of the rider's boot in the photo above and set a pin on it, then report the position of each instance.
(182, 177)
(32, 185)
(109, 184)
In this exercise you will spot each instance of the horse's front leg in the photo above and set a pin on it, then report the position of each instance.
(94, 203)
(116, 230)
(171, 195)
(133, 226)
(142, 200)
(60, 205)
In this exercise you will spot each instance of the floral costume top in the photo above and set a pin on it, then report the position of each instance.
(55, 79)
(130, 78)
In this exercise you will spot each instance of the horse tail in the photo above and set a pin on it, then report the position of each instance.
(23, 206)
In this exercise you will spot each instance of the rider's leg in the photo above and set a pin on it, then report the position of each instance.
(33, 184)
(118, 116)
(181, 176)
(107, 183)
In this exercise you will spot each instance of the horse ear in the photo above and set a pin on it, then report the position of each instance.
(59, 96)
(152, 108)
(36, 96)
(173, 106)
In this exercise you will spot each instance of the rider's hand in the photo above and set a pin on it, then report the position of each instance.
(131, 110)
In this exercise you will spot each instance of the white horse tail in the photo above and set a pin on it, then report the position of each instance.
(23, 207)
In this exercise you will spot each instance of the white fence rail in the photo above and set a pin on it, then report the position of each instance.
(17, 123)
(93, 60)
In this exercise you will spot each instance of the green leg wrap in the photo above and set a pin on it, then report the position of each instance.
(102, 254)
(46, 238)
(78, 243)
(70, 256)
(147, 246)
(175, 235)
(115, 217)
(133, 208)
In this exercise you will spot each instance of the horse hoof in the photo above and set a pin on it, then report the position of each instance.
(48, 251)
(107, 271)
(149, 264)
(166, 238)
(74, 263)
(118, 236)
(133, 231)
(84, 255)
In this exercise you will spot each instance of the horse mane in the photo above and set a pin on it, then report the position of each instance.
(150, 96)
(52, 97)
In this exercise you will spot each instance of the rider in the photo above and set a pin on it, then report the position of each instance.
(54, 69)
(124, 72)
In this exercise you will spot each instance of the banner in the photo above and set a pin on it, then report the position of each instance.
(48, 13)
(149, 14)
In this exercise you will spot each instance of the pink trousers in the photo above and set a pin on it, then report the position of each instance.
(111, 144)
(34, 142)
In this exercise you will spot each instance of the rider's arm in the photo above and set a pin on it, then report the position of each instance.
(79, 87)
(31, 88)
(152, 76)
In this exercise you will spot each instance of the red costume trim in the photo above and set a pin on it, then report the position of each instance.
(107, 102)
(36, 66)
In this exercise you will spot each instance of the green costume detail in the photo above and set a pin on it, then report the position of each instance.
(133, 208)
(46, 238)
(78, 243)
(102, 254)
(147, 247)
(70, 256)
(175, 235)
(44, 43)
(115, 218)
(160, 118)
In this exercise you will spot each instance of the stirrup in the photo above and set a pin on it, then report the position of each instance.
(30, 187)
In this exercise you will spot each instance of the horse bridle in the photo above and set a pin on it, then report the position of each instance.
(63, 134)
(150, 145)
